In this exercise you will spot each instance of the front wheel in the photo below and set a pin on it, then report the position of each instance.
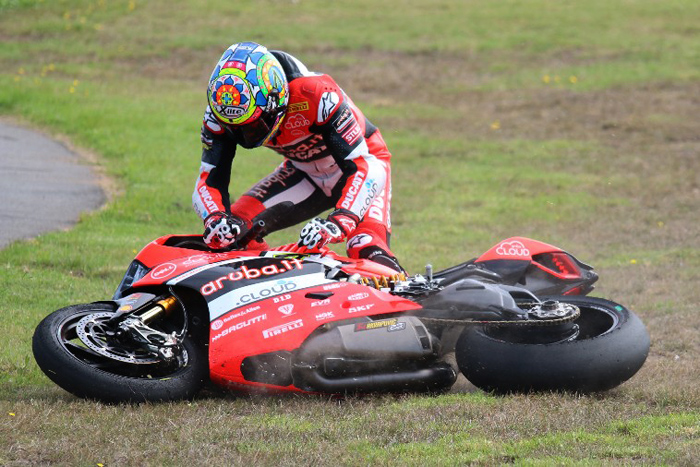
(73, 348)
(606, 346)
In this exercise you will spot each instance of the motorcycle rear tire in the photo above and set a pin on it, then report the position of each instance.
(85, 374)
(611, 347)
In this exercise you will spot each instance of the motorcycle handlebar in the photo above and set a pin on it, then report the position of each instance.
(256, 232)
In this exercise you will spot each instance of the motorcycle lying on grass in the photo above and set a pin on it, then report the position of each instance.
(281, 320)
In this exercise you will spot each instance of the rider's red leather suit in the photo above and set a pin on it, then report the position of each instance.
(334, 158)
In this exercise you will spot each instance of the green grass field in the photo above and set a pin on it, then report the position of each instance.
(576, 123)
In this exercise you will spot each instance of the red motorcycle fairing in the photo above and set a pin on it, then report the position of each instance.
(518, 259)
(517, 248)
(281, 324)
(266, 304)
(165, 260)
(167, 257)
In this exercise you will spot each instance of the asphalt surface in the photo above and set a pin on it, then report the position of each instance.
(43, 185)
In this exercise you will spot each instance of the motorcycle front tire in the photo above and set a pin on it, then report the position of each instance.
(88, 375)
(611, 346)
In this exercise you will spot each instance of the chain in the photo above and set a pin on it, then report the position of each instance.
(520, 322)
(389, 282)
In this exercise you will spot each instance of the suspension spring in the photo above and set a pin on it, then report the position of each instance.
(383, 282)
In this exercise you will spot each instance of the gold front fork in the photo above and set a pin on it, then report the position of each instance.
(162, 306)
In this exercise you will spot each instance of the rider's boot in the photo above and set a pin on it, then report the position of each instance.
(379, 255)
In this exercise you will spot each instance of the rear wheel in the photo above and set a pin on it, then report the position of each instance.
(72, 346)
(604, 347)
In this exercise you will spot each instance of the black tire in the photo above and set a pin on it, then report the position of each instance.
(610, 347)
(88, 374)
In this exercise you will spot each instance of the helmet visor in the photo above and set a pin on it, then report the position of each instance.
(260, 131)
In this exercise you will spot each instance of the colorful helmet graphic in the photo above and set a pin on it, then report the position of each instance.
(248, 90)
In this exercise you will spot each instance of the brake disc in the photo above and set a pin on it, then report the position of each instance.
(93, 330)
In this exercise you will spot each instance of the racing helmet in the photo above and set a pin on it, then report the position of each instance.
(249, 92)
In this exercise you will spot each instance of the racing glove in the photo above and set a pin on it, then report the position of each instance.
(221, 229)
(320, 232)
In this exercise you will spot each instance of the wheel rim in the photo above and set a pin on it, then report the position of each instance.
(593, 321)
(83, 336)
(597, 320)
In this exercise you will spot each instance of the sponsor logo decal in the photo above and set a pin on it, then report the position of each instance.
(231, 97)
(358, 296)
(281, 287)
(194, 260)
(361, 308)
(348, 224)
(281, 298)
(249, 294)
(513, 248)
(372, 187)
(337, 285)
(218, 324)
(238, 326)
(296, 121)
(343, 119)
(329, 101)
(287, 309)
(385, 323)
(359, 241)
(323, 302)
(376, 212)
(308, 148)
(208, 258)
(282, 328)
(207, 199)
(298, 107)
(235, 64)
(325, 315)
(250, 309)
(397, 327)
(127, 303)
(260, 190)
(163, 271)
(352, 134)
(354, 189)
(250, 273)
